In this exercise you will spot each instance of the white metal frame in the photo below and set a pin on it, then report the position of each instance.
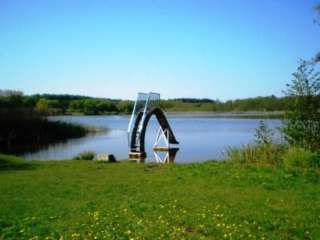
(162, 135)
(158, 159)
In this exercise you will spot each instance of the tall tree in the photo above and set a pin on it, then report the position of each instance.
(302, 124)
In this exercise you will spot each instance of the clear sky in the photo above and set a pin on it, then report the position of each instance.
(222, 49)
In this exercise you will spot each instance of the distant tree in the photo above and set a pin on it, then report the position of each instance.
(7, 93)
(16, 101)
(90, 107)
(302, 124)
(166, 104)
(30, 101)
(42, 106)
(76, 106)
(104, 106)
(11, 99)
(125, 106)
(264, 134)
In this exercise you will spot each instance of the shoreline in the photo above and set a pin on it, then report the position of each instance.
(247, 114)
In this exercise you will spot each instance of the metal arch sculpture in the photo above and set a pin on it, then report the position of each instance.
(137, 143)
(142, 112)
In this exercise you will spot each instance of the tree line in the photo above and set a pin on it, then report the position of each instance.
(57, 104)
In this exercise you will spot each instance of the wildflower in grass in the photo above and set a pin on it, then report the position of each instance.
(75, 235)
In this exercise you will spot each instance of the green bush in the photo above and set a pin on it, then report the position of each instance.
(299, 157)
(266, 154)
(88, 155)
(263, 152)
(290, 158)
(264, 134)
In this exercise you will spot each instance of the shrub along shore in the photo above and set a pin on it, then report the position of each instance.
(21, 129)
(81, 199)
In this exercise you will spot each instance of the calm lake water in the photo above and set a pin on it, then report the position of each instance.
(201, 138)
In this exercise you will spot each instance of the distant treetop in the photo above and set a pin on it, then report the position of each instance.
(8, 93)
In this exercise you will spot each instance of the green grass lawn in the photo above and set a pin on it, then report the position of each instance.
(212, 200)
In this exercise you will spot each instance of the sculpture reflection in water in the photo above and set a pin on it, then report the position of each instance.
(165, 156)
(161, 156)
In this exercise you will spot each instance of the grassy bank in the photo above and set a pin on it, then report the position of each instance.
(212, 200)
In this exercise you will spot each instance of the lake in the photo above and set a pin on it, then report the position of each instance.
(201, 137)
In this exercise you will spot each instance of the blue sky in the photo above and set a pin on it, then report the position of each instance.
(181, 48)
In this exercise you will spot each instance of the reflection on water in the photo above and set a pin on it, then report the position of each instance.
(166, 156)
(201, 138)
(160, 156)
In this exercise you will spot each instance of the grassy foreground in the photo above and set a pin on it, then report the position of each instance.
(212, 200)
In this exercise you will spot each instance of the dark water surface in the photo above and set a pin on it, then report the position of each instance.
(201, 138)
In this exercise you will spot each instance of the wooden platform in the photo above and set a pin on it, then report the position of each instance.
(165, 149)
(137, 156)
